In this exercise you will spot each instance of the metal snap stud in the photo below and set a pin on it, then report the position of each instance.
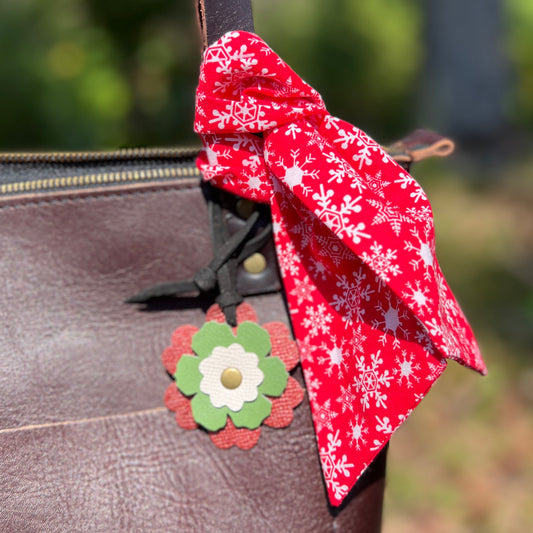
(255, 264)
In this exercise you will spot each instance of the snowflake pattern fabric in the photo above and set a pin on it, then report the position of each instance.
(374, 317)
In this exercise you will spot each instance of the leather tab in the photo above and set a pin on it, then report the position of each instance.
(217, 17)
(420, 145)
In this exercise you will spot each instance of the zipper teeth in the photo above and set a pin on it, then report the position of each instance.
(87, 157)
(99, 179)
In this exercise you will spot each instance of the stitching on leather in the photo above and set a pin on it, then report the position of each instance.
(194, 184)
(83, 420)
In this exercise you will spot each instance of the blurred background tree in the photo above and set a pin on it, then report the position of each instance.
(87, 74)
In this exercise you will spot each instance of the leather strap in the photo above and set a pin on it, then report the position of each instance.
(217, 17)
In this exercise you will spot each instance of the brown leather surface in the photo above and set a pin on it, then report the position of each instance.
(140, 472)
(86, 444)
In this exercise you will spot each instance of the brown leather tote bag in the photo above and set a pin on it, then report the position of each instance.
(86, 443)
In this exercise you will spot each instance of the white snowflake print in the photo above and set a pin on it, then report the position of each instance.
(367, 147)
(419, 295)
(406, 180)
(376, 445)
(376, 183)
(453, 339)
(222, 54)
(245, 142)
(425, 250)
(448, 306)
(333, 249)
(434, 327)
(358, 339)
(434, 370)
(219, 173)
(420, 214)
(318, 270)
(357, 182)
(253, 163)
(418, 194)
(345, 137)
(353, 292)
(357, 432)
(383, 425)
(317, 320)
(324, 416)
(293, 130)
(333, 356)
(341, 170)
(424, 340)
(338, 217)
(313, 139)
(382, 262)
(288, 260)
(295, 173)
(392, 321)
(303, 289)
(253, 185)
(241, 115)
(370, 381)
(347, 398)
(405, 370)
(387, 214)
(213, 158)
(333, 466)
(336, 356)
(304, 228)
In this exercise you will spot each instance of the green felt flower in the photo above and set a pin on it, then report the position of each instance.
(231, 375)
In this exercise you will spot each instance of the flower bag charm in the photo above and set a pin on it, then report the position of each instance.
(372, 313)
(230, 381)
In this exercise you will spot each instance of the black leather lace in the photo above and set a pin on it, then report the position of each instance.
(221, 272)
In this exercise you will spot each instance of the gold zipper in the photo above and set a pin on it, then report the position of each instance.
(184, 157)
(89, 156)
(99, 179)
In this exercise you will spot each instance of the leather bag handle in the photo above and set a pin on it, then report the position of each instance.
(217, 17)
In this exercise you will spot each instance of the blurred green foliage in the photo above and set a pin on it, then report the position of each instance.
(520, 52)
(362, 56)
(87, 74)
(82, 74)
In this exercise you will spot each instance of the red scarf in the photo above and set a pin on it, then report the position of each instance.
(371, 310)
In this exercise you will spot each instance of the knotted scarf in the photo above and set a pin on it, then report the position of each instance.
(373, 315)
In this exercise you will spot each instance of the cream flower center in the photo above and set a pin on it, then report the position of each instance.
(230, 376)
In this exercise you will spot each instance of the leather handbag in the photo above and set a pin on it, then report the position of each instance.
(86, 442)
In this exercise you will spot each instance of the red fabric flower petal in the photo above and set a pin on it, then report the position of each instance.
(282, 408)
(244, 312)
(230, 436)
(282, 344)
(180, 344)
(181, 405)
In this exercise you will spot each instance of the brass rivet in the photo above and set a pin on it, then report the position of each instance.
(231, 378)
(255, 264)
(245, 208)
